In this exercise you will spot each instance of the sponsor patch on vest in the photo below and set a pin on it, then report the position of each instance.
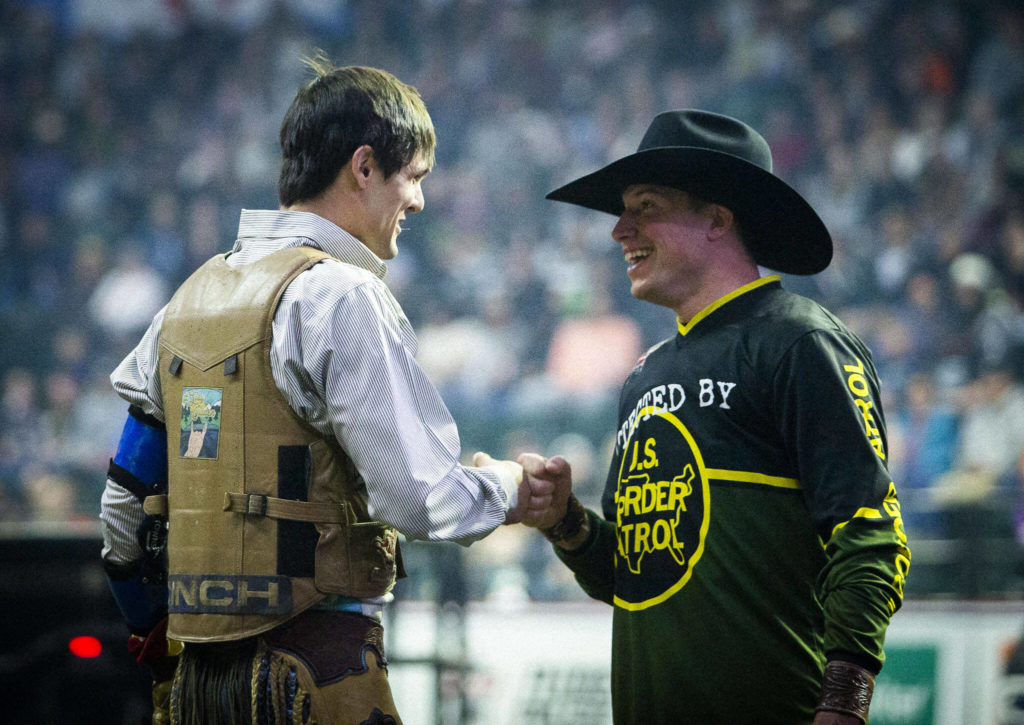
(228, 594)
(663, 510)
(200, 422)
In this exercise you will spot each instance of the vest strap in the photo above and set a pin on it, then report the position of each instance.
(155, 505)
(256, 504)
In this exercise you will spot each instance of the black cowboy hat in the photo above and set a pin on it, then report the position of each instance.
(724, 161)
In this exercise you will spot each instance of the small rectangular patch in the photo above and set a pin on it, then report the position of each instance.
(200, 422)
(228, 594)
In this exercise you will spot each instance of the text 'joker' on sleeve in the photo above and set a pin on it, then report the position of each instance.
(827, 397)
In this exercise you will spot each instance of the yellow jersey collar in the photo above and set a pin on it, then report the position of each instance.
(685, 327)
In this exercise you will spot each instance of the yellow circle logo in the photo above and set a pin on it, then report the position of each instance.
(662, 510)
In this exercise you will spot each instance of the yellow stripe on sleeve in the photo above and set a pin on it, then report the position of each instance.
(722, 474)
(862, 513)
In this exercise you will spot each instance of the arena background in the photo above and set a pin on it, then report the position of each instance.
(133, 131)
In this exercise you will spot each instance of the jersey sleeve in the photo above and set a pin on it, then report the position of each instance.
(827, 400)
(593, 564)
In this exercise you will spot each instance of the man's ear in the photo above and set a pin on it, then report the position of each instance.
(722, 221)
(362, 165)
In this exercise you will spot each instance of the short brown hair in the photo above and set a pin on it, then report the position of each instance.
(338, 111)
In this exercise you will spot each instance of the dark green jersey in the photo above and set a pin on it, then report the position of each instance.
(751, 526)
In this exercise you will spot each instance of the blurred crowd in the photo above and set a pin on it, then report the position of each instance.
(133, 131)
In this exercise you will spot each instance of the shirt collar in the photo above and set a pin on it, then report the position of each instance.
(685, 328)
(282, 229)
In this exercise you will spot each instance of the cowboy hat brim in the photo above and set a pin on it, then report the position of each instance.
(779, 227)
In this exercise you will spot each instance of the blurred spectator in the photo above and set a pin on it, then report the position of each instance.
(161, 236)
(591, 355)
(51, 497)
(842, 197)
(924, 314)
(19, 412)
(71, 352)
(19, 433)
(41, 266)
(43, 168)
(978, 495)
(899, 252)
(87, 267)
(128, 295)
(917, 146)
(984, 318)
(848, 281)
(1010, 159)
(997, 68)
(973, 142)
(60, 396)
(991, 436)
(472, 360)
(892, 341)
(922, 442)
(1009, 256)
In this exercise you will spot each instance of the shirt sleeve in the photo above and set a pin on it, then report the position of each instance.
(136, 379)
(828, 405)
(344, 356)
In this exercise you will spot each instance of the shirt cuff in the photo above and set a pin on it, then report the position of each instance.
(508, 484)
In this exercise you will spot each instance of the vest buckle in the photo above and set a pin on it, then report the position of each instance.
(256, 504)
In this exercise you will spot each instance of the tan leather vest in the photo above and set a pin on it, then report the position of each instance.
(265, 515)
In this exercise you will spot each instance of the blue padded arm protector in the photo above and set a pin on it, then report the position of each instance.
(140, 466)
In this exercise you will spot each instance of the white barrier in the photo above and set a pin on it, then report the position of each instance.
(548, 663)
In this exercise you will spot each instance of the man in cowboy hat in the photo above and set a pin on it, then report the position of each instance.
(751, 540)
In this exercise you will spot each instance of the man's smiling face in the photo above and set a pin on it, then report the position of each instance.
(388, 202)
(664, 241)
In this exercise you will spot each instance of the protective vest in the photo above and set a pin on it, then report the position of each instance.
(265, 515)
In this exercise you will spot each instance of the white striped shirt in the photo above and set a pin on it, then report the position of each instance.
(343, 356)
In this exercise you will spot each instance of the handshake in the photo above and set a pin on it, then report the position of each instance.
(545, 485)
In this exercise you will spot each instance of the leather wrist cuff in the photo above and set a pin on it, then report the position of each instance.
(570, 524)
(846, 688)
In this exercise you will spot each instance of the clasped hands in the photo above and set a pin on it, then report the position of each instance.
(544, 488)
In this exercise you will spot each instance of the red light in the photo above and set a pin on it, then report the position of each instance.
(85, 647)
